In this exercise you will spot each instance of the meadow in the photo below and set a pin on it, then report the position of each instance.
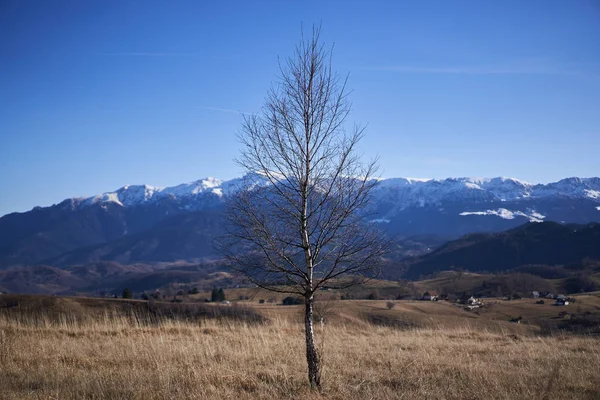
(70, 348)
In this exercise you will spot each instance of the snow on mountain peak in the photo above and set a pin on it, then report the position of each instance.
(102, 198)
(402, 192)
(391, 182)
(193, 188)
(514, 180)
(130, 195)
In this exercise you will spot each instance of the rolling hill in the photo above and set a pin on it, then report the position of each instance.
(546, 243)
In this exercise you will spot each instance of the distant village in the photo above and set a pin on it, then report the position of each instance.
(473, 303)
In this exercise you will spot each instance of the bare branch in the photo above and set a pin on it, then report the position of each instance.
(299, 220)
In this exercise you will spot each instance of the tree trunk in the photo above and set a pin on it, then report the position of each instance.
(312, 358)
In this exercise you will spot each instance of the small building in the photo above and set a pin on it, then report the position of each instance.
(472, 301)
(429, 296)
(535, 294)
(561, 297)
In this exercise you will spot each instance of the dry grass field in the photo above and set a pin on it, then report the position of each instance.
(57, 348)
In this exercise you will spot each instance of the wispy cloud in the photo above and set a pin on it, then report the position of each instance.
(518, 68)
(227, 110)
(146, 54)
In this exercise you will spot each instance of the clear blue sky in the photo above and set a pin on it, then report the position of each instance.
(97, 94)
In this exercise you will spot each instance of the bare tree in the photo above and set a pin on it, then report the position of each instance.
(298, 221)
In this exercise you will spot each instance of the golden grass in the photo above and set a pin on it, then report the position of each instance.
(120, 358)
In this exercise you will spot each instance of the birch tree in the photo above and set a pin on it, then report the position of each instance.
(298, 221)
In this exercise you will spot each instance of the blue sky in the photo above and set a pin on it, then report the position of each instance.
(97, 94)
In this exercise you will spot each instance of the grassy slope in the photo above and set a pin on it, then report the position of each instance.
(441, 351)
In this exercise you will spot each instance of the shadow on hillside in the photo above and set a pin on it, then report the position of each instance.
(47, 310)
(390, 321)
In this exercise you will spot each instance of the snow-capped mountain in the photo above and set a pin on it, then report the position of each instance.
(133, 195)
(410, 192)
(457, 206)
(148, 223)
(404, 192)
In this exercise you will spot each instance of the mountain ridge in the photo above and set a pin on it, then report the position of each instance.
(497, 188)
(502, 188)
(548, 243)
(137, 222)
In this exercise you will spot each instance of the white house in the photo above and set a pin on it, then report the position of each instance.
(429, 296)
(561, 302)
(472, 301)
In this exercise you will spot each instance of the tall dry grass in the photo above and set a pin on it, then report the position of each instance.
(120, 357)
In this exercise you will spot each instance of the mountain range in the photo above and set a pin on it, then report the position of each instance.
(142, 223)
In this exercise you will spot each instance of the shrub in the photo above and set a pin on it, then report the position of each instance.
(581, 283)
(291, 300)
(390, 305)
(127, 294)
(373, 296)
(217, 295)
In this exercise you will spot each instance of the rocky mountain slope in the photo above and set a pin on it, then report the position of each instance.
(141, 223)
